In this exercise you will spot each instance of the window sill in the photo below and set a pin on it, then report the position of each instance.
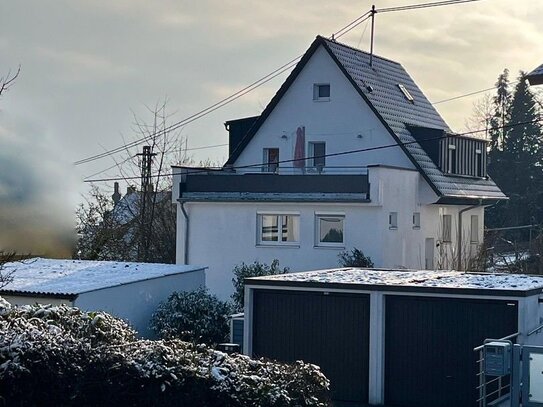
(393, 228)
(416, 227)
(279, 245)
(330, 247)
(321, 100)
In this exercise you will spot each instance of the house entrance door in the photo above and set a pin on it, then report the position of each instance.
(429, 253)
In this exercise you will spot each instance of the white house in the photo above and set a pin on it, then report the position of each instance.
(131, 291)
(346, 155)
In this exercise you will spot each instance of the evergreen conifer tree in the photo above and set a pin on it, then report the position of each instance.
(516, 156)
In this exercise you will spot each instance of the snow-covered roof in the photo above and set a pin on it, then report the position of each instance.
(72, 277)
(407, 279)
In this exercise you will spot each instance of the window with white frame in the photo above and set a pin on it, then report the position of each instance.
(329, 230)
(474, 230)
(446, 228)
(321, 91)
(317, 154)
(278, 229)
(416, 220)
(270, 160)
(393, 220)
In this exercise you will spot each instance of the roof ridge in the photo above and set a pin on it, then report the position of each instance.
(357, 49)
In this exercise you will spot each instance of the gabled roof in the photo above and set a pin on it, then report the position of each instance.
(378, 86)
(50, 277)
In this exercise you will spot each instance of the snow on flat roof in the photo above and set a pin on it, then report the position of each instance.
(78, 276)
(413, 278)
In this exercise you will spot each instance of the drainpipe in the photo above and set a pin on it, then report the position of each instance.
(186, 216)
(459, 240)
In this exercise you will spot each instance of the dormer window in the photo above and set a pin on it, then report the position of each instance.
(321, 92)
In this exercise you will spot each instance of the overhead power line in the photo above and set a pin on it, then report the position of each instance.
(424, 5)
(344, 30)
(222, 102)
(341, 153)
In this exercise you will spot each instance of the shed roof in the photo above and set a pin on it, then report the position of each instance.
(50, 277)
(409, 280)
(379, 86)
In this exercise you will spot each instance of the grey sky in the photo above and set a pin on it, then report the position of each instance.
(86, 64)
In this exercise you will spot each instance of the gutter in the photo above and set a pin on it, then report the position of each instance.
(186, 216)
(459, 242)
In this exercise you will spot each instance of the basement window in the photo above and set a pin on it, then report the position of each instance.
(406, 93)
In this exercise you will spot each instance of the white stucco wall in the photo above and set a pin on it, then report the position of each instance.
(338, 122)
(136, 302)
(224, 234)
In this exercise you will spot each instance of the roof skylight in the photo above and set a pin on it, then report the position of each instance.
(406, 93)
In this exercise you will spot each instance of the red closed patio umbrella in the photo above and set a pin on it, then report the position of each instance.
(299, 149)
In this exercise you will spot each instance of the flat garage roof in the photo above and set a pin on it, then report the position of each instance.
(454, 282)
(68, 278)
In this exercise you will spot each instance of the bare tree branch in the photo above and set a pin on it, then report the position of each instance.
(7, 81)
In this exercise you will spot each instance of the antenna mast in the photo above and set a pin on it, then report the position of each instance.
(372, 32)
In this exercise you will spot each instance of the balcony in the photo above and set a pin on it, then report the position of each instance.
(288, 185)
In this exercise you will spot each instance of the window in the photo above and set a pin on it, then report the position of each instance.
(278, 229)
(447, 228)
(321, 91)
(271, 160)
(317, 154)
(474, 231)
(416, 220)
(393, 220)
(329, 230)
(406, 93)
(452, 159)
(479, 163)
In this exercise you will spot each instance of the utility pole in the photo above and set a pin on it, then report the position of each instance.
(146, 188)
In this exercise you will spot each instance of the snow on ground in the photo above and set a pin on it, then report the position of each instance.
(414, 278)
(77, 276)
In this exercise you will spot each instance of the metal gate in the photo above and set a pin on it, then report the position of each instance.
(330, 330)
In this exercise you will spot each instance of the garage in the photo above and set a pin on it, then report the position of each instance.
(400, 338)
(437, 337)
(330, 330)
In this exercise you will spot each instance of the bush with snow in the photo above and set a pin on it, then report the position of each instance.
(354, 258)
(193, 316)
(61, 356)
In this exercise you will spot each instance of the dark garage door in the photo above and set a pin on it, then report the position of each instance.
(429, 358)
(328, 329)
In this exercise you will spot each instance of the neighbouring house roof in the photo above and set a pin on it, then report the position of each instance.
(378, 86)
(49, 277)
(409, 280)
(536, 76)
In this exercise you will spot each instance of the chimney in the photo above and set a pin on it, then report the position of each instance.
(130, 189)
(116, 194)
